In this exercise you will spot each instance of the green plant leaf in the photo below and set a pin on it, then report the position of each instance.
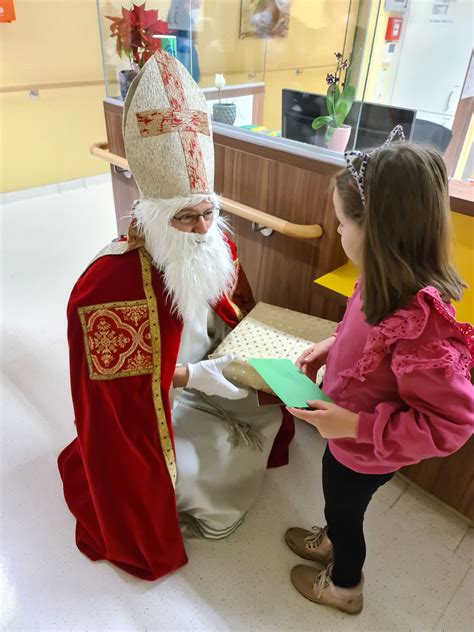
(321, 121)
(342, 110)
(348, 94)
(328, 134)
(344, 104)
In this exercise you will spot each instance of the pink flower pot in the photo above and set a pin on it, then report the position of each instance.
(340, 138)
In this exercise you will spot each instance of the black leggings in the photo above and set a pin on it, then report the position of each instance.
(347, 494)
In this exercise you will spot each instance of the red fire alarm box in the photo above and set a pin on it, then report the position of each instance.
(7, 11)
(394, 29)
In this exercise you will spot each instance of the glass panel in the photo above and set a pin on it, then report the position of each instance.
(231, 45)
(407, 64)
(227, 44)
(298, 59)
(418, 62)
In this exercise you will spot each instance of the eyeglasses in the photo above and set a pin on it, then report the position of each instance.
(191, 219)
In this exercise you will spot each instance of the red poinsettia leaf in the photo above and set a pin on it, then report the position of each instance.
(154, 45)
(149, 18)
(147, 37)
(163, 27)
(136, 39)
(137, 12)
(152, 27)
(114, 25)
(127, 15)
(124, 34)
(134, 31)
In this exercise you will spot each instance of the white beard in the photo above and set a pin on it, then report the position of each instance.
(197, 269)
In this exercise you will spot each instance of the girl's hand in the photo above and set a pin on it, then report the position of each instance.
(331, 421)
(313, 358)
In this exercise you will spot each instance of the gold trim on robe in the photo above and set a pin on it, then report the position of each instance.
(163, 431)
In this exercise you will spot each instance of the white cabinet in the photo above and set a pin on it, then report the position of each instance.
(435, 51)
(441, 119)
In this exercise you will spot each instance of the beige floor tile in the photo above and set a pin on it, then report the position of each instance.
(409, 578)
(459, 615)
(465, 550)
(425, 515)
(389, 493)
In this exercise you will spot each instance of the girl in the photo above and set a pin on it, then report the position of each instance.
(397, 368)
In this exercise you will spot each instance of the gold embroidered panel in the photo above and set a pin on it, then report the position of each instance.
(117, 339)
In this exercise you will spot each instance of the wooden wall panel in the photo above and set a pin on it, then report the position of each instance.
(449, 479)
(125, 190)
(281, 270)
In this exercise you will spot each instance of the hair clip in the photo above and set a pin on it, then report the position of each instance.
(396, 131)
(359, 176)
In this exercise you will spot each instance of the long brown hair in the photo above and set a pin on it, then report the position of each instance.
(406, 225)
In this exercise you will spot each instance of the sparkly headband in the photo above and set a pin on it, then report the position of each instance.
(359, 177)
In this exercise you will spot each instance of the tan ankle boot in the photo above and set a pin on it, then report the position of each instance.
(314, 546)
(318, 587)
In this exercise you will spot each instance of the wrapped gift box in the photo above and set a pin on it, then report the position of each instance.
(269, 332)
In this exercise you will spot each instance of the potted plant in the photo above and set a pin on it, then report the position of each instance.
(339, 99)
(136, 32)
(223, 112)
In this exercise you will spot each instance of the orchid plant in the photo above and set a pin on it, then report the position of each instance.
(134, 31)
(339, 98)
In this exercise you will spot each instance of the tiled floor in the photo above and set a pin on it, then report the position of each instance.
(419, 570)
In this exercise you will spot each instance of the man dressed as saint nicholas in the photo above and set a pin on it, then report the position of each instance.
(165, 443)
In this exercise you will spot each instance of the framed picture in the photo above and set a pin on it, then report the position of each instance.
(264, 18)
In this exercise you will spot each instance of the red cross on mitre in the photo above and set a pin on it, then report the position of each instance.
(178, 118)
(157, 122)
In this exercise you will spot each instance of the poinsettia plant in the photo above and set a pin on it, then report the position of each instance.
(339, 98)
(134, 31)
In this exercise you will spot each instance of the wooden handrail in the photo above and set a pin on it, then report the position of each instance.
(59, 85)
(299, 231)
(101, 150)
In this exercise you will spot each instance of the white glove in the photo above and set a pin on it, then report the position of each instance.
(206, 376)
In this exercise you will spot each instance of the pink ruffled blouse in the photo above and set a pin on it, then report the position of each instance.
(407, 378)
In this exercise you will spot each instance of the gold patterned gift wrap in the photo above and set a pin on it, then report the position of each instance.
(269, 332)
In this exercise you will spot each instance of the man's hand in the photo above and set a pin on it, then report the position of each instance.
(313, 358)
(332, 421)
(180, 376)
(206, 376)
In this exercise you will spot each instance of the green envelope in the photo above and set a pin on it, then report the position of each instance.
(293, 387)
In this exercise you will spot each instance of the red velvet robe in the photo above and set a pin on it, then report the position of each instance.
(118, 472)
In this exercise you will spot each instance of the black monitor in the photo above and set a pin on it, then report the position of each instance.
(376, 121)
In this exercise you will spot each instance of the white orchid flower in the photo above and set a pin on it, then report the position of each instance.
(219, 81)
